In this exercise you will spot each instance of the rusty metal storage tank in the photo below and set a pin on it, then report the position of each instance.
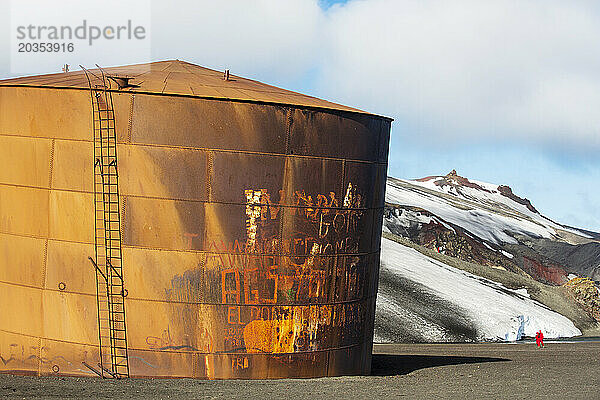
(241, 239)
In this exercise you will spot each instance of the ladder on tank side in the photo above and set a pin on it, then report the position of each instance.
(108, 261)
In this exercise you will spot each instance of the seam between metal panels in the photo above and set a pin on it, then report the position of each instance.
(206, 149)
(199, 303)
(333, 303)
(191, 251)
(223, 99)
(50, 177)
(230, 203)
(130, 122)
(224, 353)
(123, 220)
(46, 338)
(209, 176)
(45, 255)
(286, 177)
(288, 131)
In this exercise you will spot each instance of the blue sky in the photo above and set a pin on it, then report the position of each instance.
(325, 4)
(503, 91)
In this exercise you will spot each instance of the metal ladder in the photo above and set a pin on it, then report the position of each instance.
(108, 262)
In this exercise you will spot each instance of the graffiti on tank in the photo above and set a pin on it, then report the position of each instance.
(189, 239)
(21, 356)
(238, 363)
(306, 292)
(297, 269)
(166, 342)
(260, 276)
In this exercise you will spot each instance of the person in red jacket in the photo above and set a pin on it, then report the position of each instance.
(539, 339)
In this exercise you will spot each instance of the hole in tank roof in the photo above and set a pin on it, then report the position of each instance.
(122, 81)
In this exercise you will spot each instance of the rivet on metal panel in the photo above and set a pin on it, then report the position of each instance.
(130, 122)
(123, 219)
(45, 263)
(50, 169)
(51, 164)
(343, 175)
(39, 356)
(62, 286)
(209, 174)
(55, 368)
(288, 130)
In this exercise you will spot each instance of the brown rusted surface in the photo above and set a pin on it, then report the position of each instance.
(251, 232)
(180, 78)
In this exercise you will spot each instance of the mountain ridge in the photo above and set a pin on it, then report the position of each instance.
(489, 231)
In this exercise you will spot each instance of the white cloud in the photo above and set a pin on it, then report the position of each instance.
(261, 37)
(471, 69)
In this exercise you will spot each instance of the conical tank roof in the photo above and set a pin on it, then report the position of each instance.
(180, 78)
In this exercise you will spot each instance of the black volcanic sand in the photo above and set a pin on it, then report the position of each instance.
(431, 371)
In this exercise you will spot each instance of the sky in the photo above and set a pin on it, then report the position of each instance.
(505, 91)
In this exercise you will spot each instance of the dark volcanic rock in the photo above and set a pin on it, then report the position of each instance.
(507, 191)
(582, 259)
(454, 180)
(448, 239)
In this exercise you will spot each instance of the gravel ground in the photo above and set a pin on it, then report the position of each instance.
(455, 371)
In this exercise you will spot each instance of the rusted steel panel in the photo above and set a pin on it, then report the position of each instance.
(146, 171)
(50, 113)
(339, 135)
(228, 183)
(251, 235)
(189, 122)
(25, 252)
(384, 146)
(25, 210)
(26, 163)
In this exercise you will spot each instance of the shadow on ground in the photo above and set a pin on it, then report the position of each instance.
(388, 364)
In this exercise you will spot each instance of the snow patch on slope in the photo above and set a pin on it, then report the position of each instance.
(425, 329)
(497, 313)
(489, 216)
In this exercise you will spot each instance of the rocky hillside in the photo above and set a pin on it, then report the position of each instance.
(491, 232)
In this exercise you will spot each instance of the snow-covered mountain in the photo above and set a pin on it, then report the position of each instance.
(490, 212)
(494, 217)
(464, 260)
(450, 305)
